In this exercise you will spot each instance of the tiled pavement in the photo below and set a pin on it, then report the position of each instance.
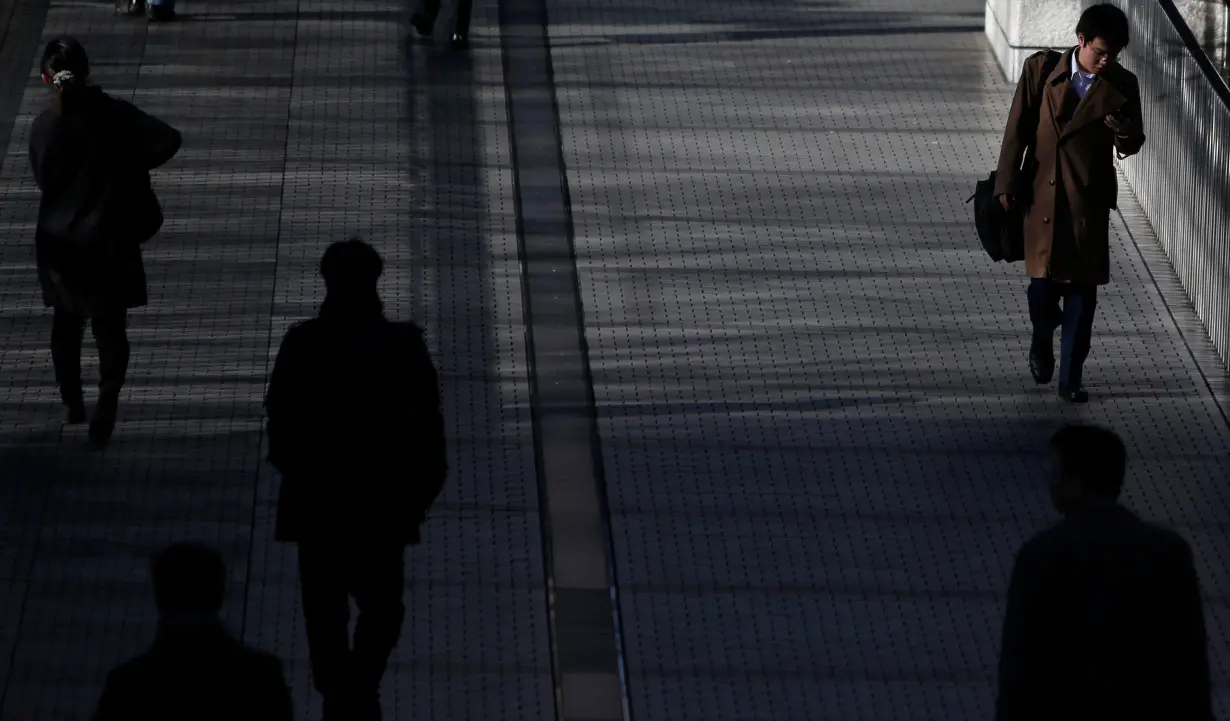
(819, 440)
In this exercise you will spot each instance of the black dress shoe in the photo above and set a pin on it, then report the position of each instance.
(102, 425)
(1041, 366)
(75, 414)
(421, 26)
(460, 42)
(1079, 395)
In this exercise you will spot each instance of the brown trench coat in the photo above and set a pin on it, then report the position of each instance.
(1068, 196)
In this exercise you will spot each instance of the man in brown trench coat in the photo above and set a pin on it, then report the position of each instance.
(1074, 118)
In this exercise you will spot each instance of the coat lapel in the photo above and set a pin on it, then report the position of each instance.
(1102, 99)
(1056, 87)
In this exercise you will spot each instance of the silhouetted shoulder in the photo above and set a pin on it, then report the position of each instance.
(1169, 542)
(303, 332)
(406, 330)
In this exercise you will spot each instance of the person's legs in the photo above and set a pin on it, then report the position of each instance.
(378, 587)
(326, 616)
(1079, 304)
(67, 329)
(465, 8)
(111, 334)
(425, 21)
(1046, 316)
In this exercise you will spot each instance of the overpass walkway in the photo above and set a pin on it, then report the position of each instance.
(815, 443)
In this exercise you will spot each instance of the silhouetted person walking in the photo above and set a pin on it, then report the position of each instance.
(91, 154)
(1105, 618)
(355, 429)
(425, 22)
(195, 671)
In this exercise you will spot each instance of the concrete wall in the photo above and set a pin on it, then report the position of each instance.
(1019, 28)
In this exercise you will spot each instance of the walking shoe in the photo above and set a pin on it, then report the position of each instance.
(421, 25)
(102, 425)
(1041, 365)
(75, 414)
(1079, 395)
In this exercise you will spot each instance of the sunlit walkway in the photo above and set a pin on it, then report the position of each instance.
(817, 429)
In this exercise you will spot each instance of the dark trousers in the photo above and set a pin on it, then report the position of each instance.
(465, 8)
(111, 335)
(329, 576)
(1075, 318)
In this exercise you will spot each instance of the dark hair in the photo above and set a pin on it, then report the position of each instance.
(351, 265)
(66, 54)
(1093, 454)
(188, 578)
(1104, 21)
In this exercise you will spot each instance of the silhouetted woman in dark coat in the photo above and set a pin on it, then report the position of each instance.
(91, 154)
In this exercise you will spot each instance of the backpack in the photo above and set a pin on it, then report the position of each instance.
(1002, 232)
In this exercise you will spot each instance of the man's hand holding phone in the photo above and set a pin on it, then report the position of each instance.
(1120, 123)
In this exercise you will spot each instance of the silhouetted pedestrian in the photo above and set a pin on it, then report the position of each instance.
(1056, 166)
(1105, 618)
(195, 670)
(91, 154)
(355, 429)
(425, 22)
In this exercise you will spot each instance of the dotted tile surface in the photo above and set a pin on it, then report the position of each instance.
(821, 444)
(821, 441)
(304, 123)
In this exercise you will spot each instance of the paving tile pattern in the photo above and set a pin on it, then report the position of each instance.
(821, 441)
(304, 123)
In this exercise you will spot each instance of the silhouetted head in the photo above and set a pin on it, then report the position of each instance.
(65, 64)
(1090, 464)
(1102, 33)
(351, 270)
(189, 579)
(351, 265)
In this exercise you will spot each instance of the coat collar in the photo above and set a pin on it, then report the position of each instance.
(1102, 98)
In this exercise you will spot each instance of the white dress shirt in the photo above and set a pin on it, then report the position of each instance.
(1081, 80)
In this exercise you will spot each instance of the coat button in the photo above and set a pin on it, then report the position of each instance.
(1050, 182)
(1046, 220)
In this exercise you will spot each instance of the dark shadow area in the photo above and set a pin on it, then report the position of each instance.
(18, 46)
(302, 15)
(61, 545)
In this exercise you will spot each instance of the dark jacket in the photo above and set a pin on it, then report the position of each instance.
(356, 430)
(1104, 621)
(1073, 186)
(91, 155)
(196, 671)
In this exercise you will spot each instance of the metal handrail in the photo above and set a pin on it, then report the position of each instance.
(1182, 175)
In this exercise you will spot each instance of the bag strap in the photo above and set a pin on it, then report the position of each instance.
(1048, 67)
(1052, 61)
